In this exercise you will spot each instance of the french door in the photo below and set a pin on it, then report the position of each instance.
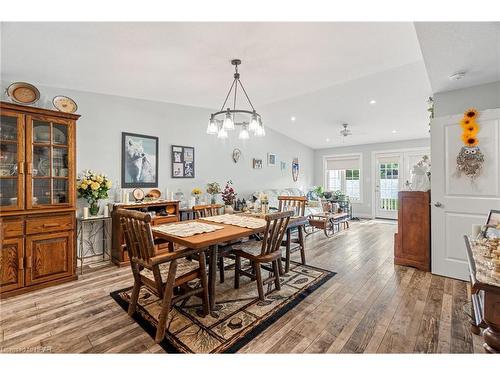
(387, 185)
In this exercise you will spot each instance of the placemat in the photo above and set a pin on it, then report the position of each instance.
(238, 220)
(186, 229)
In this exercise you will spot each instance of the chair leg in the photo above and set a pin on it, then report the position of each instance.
(221, 269)
(280, 267)
(301, 243)
(287, 254)
(135, 295)
(258, 276)
(166, 302)
(237, 267)
(204, 284)
(276, 272)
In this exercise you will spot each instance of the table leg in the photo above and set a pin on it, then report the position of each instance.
(302, 244)
(287, 254)
(212, 276)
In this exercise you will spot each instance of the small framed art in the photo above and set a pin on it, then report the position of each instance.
(182, 162)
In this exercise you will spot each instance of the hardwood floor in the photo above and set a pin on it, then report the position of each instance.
(370, 306)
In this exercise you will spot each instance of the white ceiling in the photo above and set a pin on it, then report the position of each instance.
(322, 73)
(451, 47)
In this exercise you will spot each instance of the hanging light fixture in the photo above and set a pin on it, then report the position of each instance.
(224, 120)
(244, 132)
(212, 126)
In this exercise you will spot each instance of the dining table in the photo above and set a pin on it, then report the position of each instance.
(211, 240)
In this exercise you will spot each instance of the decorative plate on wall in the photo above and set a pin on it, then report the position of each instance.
(138, 194)
(23, 93)
(236, 155)
(64, 104)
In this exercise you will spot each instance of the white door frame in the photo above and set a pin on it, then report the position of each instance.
(374, 169)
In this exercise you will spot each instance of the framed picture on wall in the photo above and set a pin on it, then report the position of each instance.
(182, 162)
(271, 160)
(493, 224)
(139, 160)
(257, 163)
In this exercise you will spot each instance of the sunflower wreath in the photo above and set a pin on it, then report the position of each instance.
(470, 159)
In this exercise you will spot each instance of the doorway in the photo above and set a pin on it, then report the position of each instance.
(392, 173)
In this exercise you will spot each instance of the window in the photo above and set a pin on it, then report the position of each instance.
(347, 181)
(344, 173)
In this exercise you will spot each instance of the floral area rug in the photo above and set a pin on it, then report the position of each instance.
(239, 315)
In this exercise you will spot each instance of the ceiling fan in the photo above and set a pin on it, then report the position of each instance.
(344, 132)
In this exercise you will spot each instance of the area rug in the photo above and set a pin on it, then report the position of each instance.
(239, 315)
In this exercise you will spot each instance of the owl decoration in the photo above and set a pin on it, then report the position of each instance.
(470, 158)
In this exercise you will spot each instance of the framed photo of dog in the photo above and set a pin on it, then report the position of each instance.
(139, 160)
(182, 162)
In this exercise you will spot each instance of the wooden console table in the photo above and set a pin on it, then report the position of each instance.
(485, 291)
(164, 212)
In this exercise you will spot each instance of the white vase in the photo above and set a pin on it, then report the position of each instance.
(228, 209)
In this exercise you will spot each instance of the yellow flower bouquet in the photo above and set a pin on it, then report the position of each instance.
(93, 186)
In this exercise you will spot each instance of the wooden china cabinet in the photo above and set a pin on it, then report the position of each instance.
(37, 198)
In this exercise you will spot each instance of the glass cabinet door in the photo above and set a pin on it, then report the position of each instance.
(11, 161)
(49, 173)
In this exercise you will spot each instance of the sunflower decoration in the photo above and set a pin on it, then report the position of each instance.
(470, 158)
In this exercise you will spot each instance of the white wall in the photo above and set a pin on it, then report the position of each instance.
(105, 117)
(363, 209)
(457, 101)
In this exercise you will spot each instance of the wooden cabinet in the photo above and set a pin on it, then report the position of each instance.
(49, 256)
(12, 264)
(37, 198)
(165, 212)
(412, 242)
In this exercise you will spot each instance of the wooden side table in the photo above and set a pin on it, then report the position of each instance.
(90, 232)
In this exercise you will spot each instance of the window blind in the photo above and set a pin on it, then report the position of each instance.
(341, 163)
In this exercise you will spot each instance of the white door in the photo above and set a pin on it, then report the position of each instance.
(387, 185)
(456, 202)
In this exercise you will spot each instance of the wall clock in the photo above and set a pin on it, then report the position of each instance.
(236, 155)
(64, 104)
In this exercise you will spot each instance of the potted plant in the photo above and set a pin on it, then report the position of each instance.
(228, 196)
(93, 187)
(196, 193)
(213, 188)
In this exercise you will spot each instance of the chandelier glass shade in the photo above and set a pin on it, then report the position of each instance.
(228, 118)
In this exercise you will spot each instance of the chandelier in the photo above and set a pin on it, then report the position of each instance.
(224, 120)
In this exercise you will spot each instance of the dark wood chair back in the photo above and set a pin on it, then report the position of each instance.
(297, 204)
(276, 225)
(207, 210)
(136, 228)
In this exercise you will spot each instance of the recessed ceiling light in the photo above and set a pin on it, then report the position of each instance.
(293, 118)
(457, 76)
(328, 139)
(373, 101)
(394, 131)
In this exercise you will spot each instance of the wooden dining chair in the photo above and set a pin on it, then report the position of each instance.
(163, 274)
(207, 210)
(297, 204)
(260, 253)
(224, 249)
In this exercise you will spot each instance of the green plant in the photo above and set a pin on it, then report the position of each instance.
(319, 191)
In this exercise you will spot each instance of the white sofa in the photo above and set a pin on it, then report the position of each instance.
(312, 207)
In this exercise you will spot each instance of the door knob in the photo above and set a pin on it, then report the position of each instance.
(438, 204)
